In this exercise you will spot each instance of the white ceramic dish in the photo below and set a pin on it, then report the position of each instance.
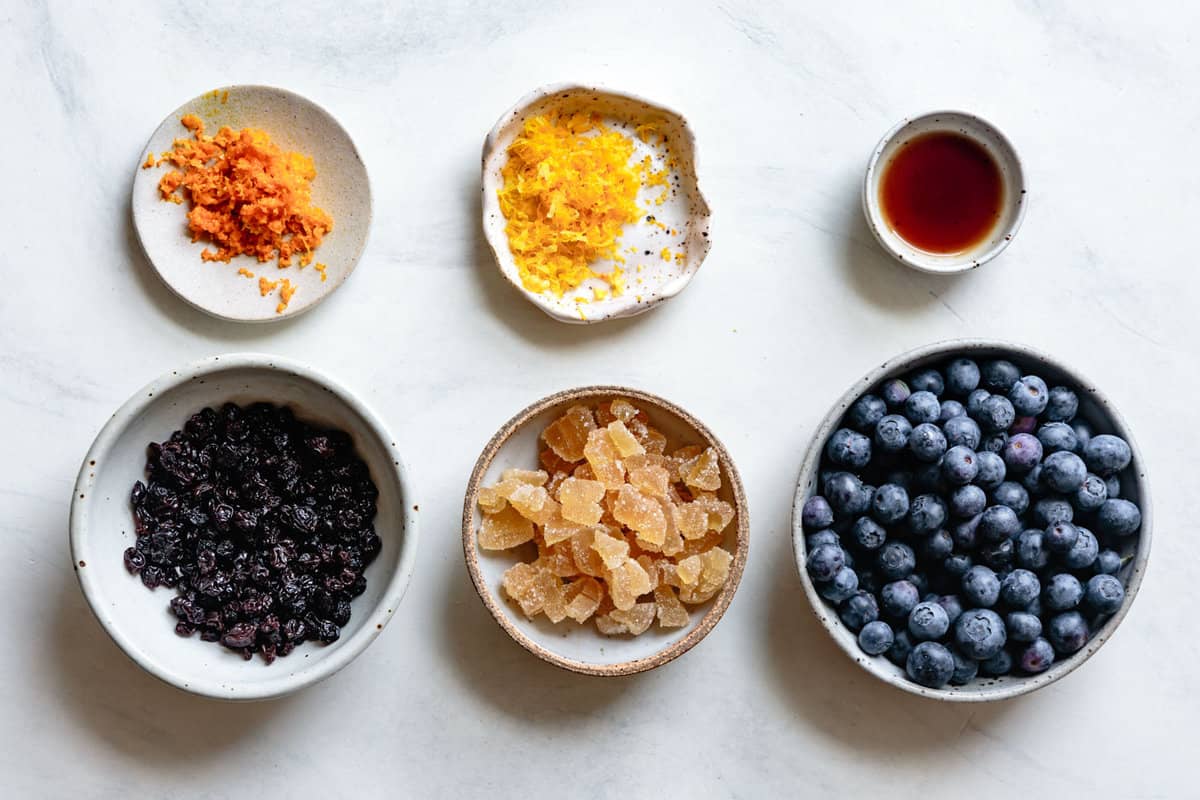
(341, 188)
(1013, 205)
(138, 619)
(581, 648)
(1093, 407)
(685, 211)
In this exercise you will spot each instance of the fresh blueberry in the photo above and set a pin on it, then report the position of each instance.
(1083, 433)
(1062, 593)
(825, 561)
(927, 442)
(1023, 626)
(974, 402)
(1031, 550)
(890, 504)
(866, 412)
(843, 585)
(848, 496)
(926, 514)
(965, 669)
(939, 545)
(1032, 481)
(1106, 454)
(827, 536)
(1084, 552)
(858, 609)
(896, 560)
(1029, 396)
(999, 375)
(922, 407)
(1021, 452)
(962, 377)
(1020, 588)
(897, 599)
(1063, 472)
(898, 652)
(979, 633)
(876, 638)
(998, 555)
(1035, 608)
(895, 392)
(1091, 495)
(997, 665)
(1118, 518)
(962, 431)
(1063, 405)
(1107, 563)
(868, 534)
(1060, 537)
(1056, 436)
(927, 380)
(1052, 510)
(994, 442)
(957, 565)
(966, 533)
(1013, 495)
(848, 448)
(1104, 594)
(1113, 484)
(996, 413)
(991, 470)
(950, 410)
(999, 523)
(930, 664)
(1037, 656)
(892, 433)
(1067, 632)
(816, 514)
(928, 621)
(967, 501)
(1023, 425)
(959, 466)
(980, 586)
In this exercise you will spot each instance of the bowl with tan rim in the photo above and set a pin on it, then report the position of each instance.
(581, 647)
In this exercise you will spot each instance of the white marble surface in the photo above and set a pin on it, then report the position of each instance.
(794, 302)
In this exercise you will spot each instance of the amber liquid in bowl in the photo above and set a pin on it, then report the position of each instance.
(942, 192)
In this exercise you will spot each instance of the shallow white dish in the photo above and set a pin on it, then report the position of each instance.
(341, 188)
(1093, 407)
(1013, 204)
(139, 619)
(581, 648)
(685, 210)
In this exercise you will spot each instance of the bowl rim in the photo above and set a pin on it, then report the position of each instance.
(874, 216)
(496, 606)
(349, 647)
(339, 279)
(499, 244)
(811, 464)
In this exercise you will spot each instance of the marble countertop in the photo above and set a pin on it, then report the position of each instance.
(794, 303)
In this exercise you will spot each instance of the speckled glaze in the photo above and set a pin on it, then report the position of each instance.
(1013, 206)
(581, 648)
(138, 619)
(341, 188)
(1093, 406)
(685, 211)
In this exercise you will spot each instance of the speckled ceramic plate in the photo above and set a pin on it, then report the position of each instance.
(341, 188)
(581, 648)
(680, 225)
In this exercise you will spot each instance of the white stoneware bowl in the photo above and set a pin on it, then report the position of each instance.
(1094, 407)
(581, 648)
(341, 188)
(1013, 204)
(683, 219)
(139, 619)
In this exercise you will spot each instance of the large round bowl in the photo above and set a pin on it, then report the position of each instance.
(137, 618)
(1094, 407)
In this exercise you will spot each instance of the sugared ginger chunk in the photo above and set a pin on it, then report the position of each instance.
(604, 459)
(567, 435)
(504, 529)
(702, 472)
(641, 513)
(580, 500)
(626, 583)
(623, 440)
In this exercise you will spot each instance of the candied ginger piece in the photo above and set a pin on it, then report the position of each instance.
(584, 473)
(612, 550)
(554, 604)
(609, 626)
(712, 577)
(688, 570)
(556, 482)
(556, 559)
(524, 584)
(691, 519)
(552, 463)
(651, 567)
(556, 529)
(534, 503)
(650, 437)
(580, 500)
(694, 547)
(702, 472)
(602, 456)
(587, 560)
(626, 583)
(623, 410)
(583, 598)
(719, 513)
(683, 455)
(673, 540)
(491, 501)
(642, 514)
(650, 479)
(533, 477)
(625, 442)
(667, 574)
(504, 529)
(568, 434)
(637, 619)
(671, 613)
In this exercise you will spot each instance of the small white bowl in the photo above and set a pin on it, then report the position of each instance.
(1093, 407)
(139, 619)
(581, 648)
(1012, 206)
(341, 188)
(685, 210)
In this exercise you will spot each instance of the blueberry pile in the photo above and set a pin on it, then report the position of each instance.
(261, 523)
(970, 523)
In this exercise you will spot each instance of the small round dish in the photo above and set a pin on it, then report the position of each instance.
(1094, 407)
(341, 188)
(679, 225)
(581, 648)
(1013, 203)
(101, 526)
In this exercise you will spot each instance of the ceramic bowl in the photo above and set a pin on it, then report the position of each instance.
(1012, 207)
(581, 648)
(139, 619)
(1094, 407)
(680, 224)
(341, 188)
